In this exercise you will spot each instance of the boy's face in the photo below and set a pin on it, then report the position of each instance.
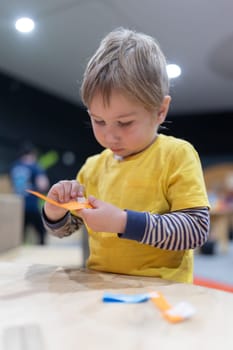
(125, 126)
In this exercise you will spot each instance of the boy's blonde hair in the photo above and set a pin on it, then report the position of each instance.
(130, 62)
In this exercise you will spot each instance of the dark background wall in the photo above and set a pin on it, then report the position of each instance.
(26, 113)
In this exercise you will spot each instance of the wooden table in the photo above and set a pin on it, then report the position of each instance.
(11, 225)
(61, 307)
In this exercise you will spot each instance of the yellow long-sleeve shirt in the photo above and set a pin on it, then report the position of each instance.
(165, 177)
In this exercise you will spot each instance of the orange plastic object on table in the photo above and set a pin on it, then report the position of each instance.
(173, 314)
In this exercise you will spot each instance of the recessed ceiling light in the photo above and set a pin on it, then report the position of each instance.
(24, 25)
(173, 71)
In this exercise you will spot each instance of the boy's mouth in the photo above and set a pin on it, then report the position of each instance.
(116, 150)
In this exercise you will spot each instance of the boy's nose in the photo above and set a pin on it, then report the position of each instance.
(111, 135)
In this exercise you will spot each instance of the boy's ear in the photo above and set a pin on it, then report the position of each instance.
(162, 113)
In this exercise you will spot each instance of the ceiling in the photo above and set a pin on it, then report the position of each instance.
(195, 34)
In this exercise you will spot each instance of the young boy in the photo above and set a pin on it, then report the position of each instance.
(150, 207)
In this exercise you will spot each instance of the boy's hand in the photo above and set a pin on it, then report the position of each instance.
(104, 217)
(63, 192)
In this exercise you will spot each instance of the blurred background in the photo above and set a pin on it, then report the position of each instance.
(41, 72)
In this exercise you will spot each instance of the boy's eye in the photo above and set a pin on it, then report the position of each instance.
(125, 124)
(99, 122)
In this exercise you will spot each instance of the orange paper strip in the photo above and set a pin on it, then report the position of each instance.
(73, 205)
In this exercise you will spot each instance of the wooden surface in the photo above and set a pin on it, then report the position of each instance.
(60, 307)
(11, 221)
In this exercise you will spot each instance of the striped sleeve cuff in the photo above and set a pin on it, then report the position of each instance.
(135, 226)
(54, 224)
